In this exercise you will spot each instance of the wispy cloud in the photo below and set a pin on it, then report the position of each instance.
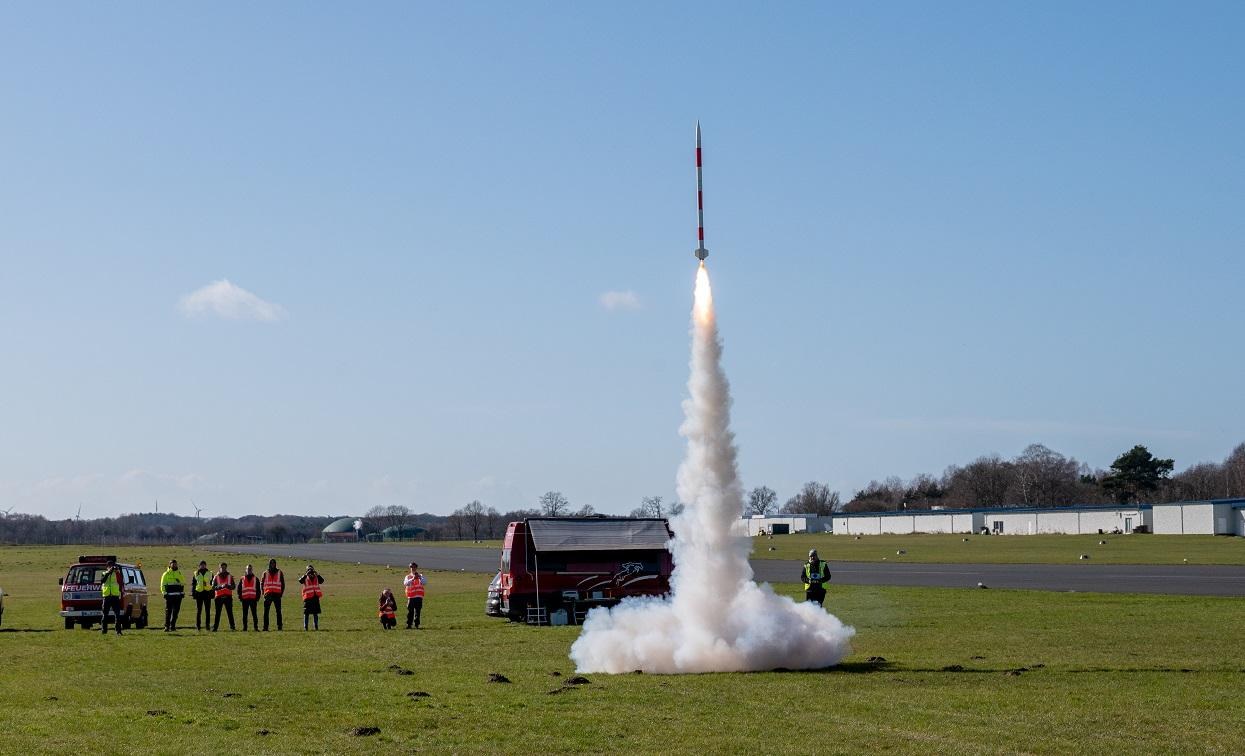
(224, 299)
(620, 300)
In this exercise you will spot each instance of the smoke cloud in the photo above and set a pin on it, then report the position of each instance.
(716, 619)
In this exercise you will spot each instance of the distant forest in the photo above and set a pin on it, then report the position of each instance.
(1041, 477)
(1037, 477)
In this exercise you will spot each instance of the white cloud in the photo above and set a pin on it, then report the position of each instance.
(620, 300)
(225, 300)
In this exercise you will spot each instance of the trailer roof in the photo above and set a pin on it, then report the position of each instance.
(593, 534)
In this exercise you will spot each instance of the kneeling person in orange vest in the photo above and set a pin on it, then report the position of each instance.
(223, 584)
(248, 592)
(388, 610)
(414, 583)
(311, 581)
(272, 582)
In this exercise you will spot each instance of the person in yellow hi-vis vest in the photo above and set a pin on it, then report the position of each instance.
(815, 575)
(111, 589)
(172, 587)
(201, 587)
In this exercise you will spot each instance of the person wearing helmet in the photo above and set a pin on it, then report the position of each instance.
(815, 575)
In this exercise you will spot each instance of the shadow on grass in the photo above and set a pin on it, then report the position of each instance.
(851, 668)
(27, 630)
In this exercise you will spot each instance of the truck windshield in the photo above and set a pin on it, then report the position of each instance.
(84, 574)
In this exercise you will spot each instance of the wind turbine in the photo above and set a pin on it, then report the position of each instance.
(196, 508)
(8, 511)
(78, 517)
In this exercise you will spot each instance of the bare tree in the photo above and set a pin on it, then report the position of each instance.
(761, 501)
(492, 519)
(554, 504)
(1234, 473)
(814, 498)
(652, 506)
(474, 518)
(585, 511)
(985, 482)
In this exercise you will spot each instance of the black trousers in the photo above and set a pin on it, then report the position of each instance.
(113, 604)
(272, 600)
(203, 610)
(817, 593)
(413, 608)
(248, 605)
(172, 607)
(227, 603)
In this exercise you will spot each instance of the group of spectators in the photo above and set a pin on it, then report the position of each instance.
(218, 588)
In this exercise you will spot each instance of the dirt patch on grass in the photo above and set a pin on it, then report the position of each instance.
(497, 677)
(364, 732)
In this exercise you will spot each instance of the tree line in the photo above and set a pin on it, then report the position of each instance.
(1037, 477)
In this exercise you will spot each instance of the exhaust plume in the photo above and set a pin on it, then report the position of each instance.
(716, 619)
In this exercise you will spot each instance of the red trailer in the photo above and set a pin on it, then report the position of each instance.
(554, 569)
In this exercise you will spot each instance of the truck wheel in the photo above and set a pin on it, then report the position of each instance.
(69, 623)
(518, 612)
(142, 620)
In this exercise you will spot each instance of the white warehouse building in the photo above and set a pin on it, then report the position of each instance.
(998, 520)
(1215, 517)
(781, 524)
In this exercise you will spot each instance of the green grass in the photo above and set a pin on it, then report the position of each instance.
(1119, 673)
(1015, 549)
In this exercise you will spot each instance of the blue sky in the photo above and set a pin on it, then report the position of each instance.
(936, 231)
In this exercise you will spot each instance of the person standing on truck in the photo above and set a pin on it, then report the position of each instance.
(273, 584)
(172, 587)
(201, 588)
(388, 610)
(815, 576)
(111, 589)
(414, 582)
(248, 592)
(312, 592)
(223, 585)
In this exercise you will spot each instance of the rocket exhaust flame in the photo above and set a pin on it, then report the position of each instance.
(716, 619)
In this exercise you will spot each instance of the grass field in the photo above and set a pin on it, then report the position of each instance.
(1016, 549)
(1104, 673)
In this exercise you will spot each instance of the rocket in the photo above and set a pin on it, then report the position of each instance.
(701, 253)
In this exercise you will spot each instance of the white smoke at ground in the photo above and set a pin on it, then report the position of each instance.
(716, 619)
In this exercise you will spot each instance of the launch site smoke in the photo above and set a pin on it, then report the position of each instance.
(715, 619)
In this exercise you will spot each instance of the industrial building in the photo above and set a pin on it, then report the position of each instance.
(1215, 517)
(781, 524)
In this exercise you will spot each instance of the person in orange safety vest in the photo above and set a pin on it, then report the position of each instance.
(414, 583)
(272, 584)
(311, 581)
(248, 593)
(388, 610)
(223, 585)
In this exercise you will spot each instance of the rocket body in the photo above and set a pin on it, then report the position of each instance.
(701, 253)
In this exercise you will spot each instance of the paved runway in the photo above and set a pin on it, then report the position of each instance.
(1179, 579)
